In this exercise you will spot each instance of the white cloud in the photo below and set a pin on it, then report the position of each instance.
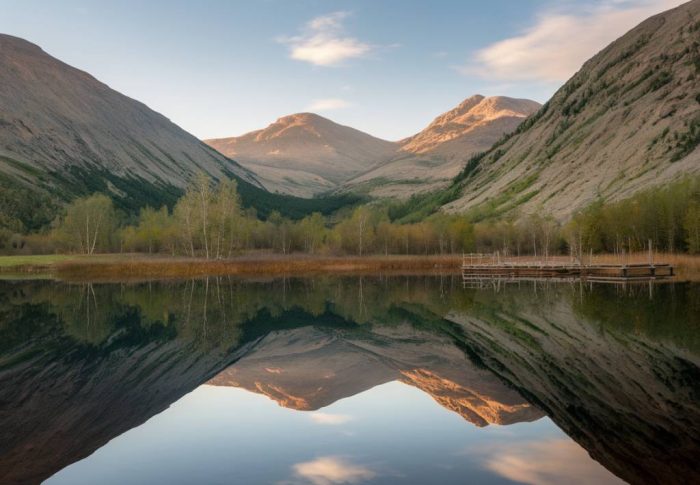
(547, 462)
(330, 419)
(327, 104)
(323, 42)
(328, 470)
(560, 42)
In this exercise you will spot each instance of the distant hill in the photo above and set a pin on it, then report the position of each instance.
(64, 134)
(628, 120)
(304, 154)
(431, 158)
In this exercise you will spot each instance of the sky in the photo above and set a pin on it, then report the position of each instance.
(224, 68)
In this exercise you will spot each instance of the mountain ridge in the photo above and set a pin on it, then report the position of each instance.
(74, 110)
(431, 158)
(64, 134)
(627, 121)
(314, 154)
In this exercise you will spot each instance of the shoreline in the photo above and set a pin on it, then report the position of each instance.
(143, 267)
(135, 267)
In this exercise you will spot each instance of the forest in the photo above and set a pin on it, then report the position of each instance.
(211, 222)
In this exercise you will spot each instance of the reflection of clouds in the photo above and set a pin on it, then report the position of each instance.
(330, 419)
(547, 462)
(329, 470)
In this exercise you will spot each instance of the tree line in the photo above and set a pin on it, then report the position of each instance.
(210, 221)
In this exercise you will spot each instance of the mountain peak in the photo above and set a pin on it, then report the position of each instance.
(307, 147)
(299, 118)
(11, 42)
(475, 112)
(469, 103)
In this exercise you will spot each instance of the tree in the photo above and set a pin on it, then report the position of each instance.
(691, 225)
(202, 188)
(312, 230)
(225, 215)
(185, 218)
(89, 224)
(461, 235)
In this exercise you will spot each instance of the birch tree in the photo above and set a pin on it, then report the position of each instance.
(89, 224)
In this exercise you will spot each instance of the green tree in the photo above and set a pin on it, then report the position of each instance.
(691, 224)
(89, 224)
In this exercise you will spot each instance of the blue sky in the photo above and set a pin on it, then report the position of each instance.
(223, 68)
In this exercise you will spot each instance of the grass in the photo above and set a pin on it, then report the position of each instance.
(46, 265)
(38, 260)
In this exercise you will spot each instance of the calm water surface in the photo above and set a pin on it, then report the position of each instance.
(351, 380)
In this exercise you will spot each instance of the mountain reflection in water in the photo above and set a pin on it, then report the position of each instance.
(616, 370)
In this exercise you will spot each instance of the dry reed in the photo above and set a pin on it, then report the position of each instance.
(272, 265)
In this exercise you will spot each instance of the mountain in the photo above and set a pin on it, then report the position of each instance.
(433, 157)
(304, 154)
(310, 368)
(471, 127)
(64, 134)
(600, 370)
(63, 131)
(628, 120)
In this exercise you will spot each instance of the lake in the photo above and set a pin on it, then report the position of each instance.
(349, 380)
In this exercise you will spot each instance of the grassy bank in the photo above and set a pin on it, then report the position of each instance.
(112, 267)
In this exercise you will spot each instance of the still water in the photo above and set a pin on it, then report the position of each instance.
(325, 381)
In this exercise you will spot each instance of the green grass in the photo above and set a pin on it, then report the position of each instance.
(51, 259)
(39, 260)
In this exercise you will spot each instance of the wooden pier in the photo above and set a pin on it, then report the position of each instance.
(477, 267)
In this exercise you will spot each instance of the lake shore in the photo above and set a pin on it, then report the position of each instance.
(113, 267)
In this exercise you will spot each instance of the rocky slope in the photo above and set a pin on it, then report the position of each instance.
(433, 157)
(304, 154)
(629, 119)
(63, 132)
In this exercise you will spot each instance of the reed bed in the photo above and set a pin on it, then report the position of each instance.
(272, 265)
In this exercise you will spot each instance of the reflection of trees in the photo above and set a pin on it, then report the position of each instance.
(212, 311)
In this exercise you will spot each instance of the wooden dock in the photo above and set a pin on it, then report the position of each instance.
(479, 268)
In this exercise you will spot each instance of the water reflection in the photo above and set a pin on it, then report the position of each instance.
(616, 371)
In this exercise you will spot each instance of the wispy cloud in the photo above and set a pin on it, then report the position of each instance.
(327, 104)
(328, 470)
(560, 41)
(548, 462)
(323, 42)
(330, 419)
